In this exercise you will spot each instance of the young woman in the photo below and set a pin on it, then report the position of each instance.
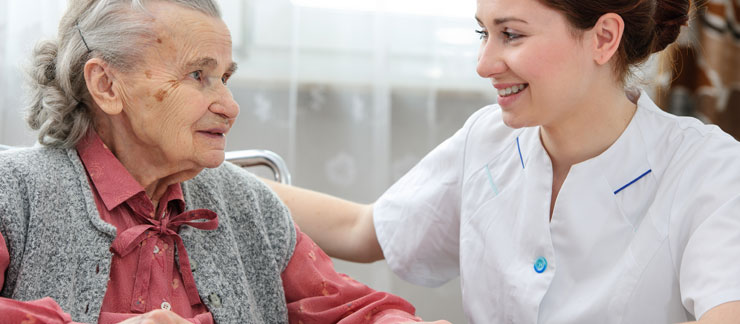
(575, 199)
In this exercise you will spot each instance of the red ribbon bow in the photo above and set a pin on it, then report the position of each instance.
(130, 239)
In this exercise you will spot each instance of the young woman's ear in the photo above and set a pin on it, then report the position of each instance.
(101, 85)
(607, 35)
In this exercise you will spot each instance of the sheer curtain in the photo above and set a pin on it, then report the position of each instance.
(22, 24)
(352, 93)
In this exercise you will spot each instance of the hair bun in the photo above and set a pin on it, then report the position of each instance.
(669, 16)
(42, 81)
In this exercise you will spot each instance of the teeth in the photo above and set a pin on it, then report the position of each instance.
(511, 90)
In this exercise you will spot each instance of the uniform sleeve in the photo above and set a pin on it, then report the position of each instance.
(316, 293)
(706, 226)
(709, 271)
(417, 220)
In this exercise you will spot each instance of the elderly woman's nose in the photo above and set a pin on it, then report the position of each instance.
(226, 107)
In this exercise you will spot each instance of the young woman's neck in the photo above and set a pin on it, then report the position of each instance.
(596, 124)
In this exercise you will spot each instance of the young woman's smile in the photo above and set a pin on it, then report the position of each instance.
(537, 65)
(508, 93)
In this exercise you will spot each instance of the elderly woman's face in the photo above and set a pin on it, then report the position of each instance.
(177, 106)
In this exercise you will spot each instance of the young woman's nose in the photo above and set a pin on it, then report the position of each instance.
(490, 62)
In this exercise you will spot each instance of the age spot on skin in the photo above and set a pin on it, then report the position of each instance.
(159, 40)
(148, 74)
(165, 91)
(174, 84)
(160, 95)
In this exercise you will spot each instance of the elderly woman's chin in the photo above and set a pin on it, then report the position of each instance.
(208, 149)
(211, 158)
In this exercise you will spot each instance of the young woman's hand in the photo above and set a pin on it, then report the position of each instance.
(159, 316)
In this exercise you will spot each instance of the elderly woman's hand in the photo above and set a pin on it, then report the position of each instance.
(159, 316)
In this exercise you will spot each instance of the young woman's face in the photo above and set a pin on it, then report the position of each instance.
(539, 66)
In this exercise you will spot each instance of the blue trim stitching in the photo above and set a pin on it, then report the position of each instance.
(520, 151)
(490, 180)
(633, 181)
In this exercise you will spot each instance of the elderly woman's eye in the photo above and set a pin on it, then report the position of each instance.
(225, 78)
(197, 75)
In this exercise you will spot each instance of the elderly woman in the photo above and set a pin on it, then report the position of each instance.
(127, 213)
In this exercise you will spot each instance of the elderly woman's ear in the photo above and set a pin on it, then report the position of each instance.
(101, 83)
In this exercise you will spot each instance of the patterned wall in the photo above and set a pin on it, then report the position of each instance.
(705, 67)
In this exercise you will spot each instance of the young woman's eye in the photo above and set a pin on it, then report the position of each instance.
(197, 75)
(510, 36)
(483, 33)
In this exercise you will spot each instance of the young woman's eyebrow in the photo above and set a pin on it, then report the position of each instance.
(499, 21)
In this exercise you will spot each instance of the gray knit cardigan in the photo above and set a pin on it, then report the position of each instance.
(60, 247)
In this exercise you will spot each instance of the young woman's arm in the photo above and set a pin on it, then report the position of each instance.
(343, 229)
(727, 313)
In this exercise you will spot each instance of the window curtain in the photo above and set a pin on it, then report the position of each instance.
(351, 93)
(22, 24)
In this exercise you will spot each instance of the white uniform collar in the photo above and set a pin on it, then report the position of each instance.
(622, 164)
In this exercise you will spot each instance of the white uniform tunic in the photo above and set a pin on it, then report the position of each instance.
(646, 232)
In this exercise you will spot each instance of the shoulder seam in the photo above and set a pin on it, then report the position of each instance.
(702, 129)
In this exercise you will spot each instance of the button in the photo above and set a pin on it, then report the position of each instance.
(166, 306)
(215, 300)
(540, 265)
(156, 249)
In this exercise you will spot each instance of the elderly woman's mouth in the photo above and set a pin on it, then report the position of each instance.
(213, 133)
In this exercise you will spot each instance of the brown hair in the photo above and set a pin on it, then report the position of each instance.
(650, 25)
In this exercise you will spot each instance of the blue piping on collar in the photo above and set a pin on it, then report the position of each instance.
(633, 181)
(520, 151)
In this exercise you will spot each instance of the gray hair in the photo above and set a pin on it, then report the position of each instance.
(113, 30)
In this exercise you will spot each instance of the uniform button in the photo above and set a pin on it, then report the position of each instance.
(215, 300)
(166, 306)
(540, 265)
